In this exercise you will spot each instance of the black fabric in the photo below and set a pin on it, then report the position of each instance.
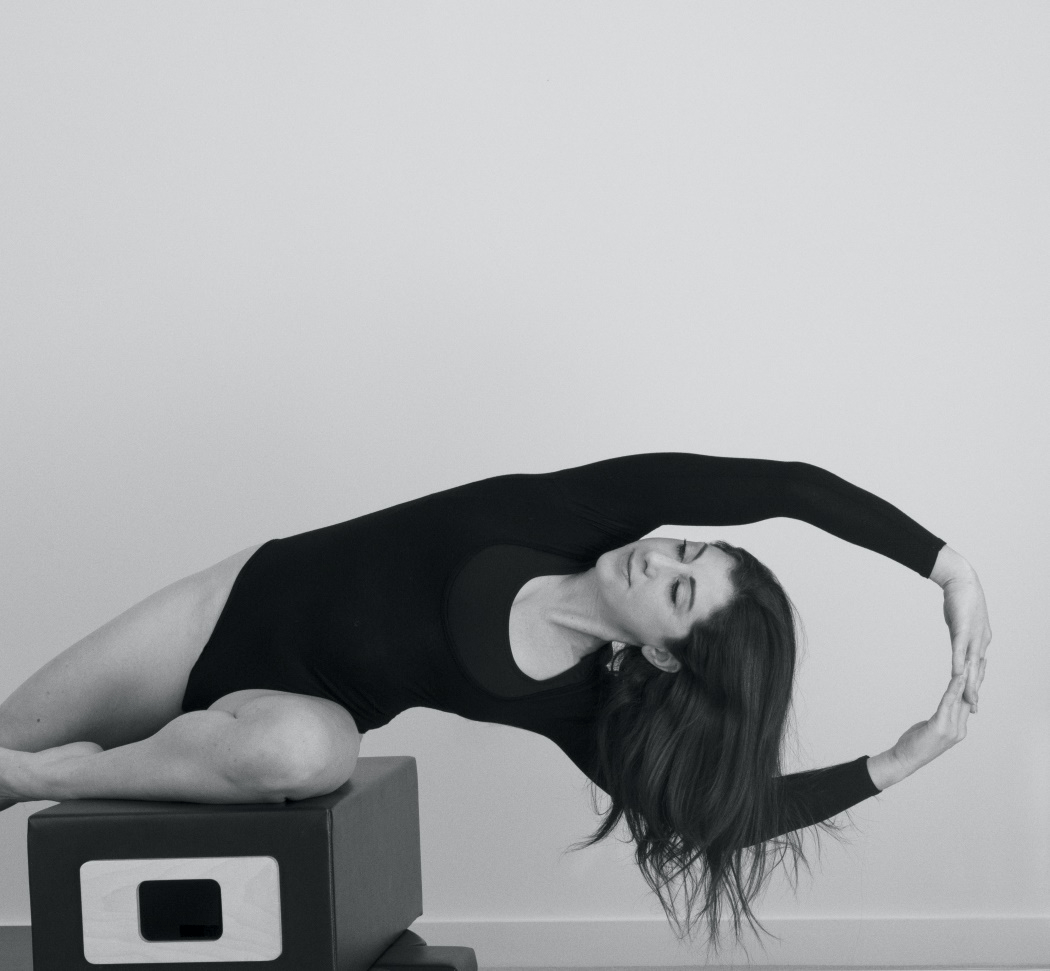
(409, 606)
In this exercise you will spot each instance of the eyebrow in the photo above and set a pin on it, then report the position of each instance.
(692, 582)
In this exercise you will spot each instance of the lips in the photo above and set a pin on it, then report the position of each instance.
(629, 555)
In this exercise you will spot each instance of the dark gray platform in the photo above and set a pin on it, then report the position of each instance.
(339, 882)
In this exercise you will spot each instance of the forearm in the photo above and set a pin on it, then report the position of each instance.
(950, 565)
(885, 769)
(809, 797)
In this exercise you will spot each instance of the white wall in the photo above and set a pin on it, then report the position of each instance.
(266, 267)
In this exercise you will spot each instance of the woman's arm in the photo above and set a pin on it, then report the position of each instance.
(949, 566)
(812, 796)
(819, 794)
(626, 497)
(925, 740)
(884, 770)
(806, 797)
(629, 496)
(966, 614)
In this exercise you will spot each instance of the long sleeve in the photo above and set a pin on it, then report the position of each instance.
(806, 798)
(634, 494)
(817, 794)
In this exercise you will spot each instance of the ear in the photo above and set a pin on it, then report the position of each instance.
(661, 658)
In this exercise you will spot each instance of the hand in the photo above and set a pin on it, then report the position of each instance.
(966, 614)
(924, 741)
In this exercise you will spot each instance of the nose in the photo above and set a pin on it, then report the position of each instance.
(660, 561)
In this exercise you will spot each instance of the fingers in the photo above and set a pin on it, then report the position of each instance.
(954, 694)
(960, 648)
(963, 709)
(968, 656)
(970, 695)
(954, 710)
(960, 713)
(951, 700)
(962, 663)
(971, 682)
(975, 679)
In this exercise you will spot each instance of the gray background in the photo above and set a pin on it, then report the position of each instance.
(269, 266)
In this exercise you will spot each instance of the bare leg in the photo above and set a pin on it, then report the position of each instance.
(203, 756)
(53, 755)
(125, 681)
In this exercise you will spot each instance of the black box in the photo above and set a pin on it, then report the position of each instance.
(323, 884)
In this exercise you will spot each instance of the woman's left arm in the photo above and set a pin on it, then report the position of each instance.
(966, 615)
(631, 495)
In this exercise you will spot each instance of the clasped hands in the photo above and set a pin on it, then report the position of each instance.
(966, 614)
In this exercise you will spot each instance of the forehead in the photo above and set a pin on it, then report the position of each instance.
(718, 565)
(717, 553)
(717, 560)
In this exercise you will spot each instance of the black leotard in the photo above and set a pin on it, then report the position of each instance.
(409, 606)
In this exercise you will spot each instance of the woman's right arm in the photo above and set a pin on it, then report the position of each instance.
(819, 794)
(925, 740)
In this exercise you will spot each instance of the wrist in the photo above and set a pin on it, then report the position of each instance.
(885, 769)
(950, 565)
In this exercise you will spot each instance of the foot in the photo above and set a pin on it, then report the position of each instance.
(9, 758)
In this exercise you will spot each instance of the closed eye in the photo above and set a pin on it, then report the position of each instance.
(692, 582)
(674, 586)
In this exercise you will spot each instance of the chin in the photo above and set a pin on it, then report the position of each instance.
(609, 567)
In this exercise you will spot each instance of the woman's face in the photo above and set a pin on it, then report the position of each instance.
(656, 589)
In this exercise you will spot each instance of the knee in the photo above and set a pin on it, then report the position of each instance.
(302, 749)
(322, 776)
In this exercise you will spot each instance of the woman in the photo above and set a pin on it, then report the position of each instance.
(500, 601)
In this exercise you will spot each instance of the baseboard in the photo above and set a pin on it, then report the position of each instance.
(876, 942)
(991, 943)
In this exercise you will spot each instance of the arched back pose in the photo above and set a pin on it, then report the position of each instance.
(500, 601)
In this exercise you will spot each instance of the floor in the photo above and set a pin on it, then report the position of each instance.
(16, 949)
(16, 954)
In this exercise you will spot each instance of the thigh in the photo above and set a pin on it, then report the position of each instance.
(314, 740)
(125, 681)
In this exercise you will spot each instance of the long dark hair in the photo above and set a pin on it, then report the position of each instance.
(689, 758)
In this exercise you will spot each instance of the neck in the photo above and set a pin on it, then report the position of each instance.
(569, 605)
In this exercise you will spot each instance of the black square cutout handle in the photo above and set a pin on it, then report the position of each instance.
(180, 910)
